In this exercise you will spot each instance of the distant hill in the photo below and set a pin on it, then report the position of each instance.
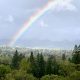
(43, 43)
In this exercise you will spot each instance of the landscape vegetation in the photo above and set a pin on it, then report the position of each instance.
(39, 66)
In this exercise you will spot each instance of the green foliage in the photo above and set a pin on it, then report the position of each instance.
(6, 60)
(9, 77)
(32, 66)
(63, 57)
(52, 67)
(42, 65)
(23, 76)
(52, 77)
(19, 75)
(49, 69)
(55, 66)
(66, 68)
(78, 67)
(3, 71)
(37, 68)
(16, 60)
(31, 58)
(24, 65)
(75, 75)
(76, 55)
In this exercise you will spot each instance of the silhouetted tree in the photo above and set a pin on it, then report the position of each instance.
(42, 66)
(32, 64)
(49, 69)
(55, 66)
(16, 60)
(39, 66)
(76, 55)
(63, 57)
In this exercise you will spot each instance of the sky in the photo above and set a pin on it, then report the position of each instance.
(61, 25)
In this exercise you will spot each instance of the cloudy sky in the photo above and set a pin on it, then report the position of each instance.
(61, 24)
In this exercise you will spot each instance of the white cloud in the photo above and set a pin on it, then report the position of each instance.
(65, 5)
(43, 24)
(71, 7)
(10, 19)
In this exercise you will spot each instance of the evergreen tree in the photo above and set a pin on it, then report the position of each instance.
(21, 56)
(32, 64)
(31, 58)
(52, 67)
(63, 57)
(39, 66)
(75, 49)
(37, 72)
(49, 68)
(42, 65)
(55, 66)
(76, 55)
(16, 60)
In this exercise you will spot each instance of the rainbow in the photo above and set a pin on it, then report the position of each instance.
(50, 5)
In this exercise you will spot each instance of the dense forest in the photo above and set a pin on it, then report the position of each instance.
(38, 67)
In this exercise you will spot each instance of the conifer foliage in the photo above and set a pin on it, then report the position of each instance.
(76, 55)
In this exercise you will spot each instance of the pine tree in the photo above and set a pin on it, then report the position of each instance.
(32, 64)
(32, 61)
(15, 61)
(63, 57)
(39, 66)
(76, 55)
(42, 66)
(21, 56)
(52, 67)
(75, 49)
(55, 66)
(49, 68)
(31, 58)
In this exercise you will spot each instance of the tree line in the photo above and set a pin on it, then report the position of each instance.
(41, 68)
